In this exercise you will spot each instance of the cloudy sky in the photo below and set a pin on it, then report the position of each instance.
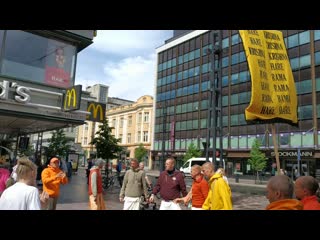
(124, 60)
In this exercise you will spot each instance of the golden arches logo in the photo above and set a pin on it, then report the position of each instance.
(94, 108)
(71, 94)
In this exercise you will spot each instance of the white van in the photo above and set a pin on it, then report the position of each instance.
(186, 168)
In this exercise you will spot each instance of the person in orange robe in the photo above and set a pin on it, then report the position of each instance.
(305, 190)
(280, 194)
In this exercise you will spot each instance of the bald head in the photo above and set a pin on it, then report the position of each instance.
(305, 186)
(208, 169)
(279, 187)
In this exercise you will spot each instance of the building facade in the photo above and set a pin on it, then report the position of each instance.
(36, 67)
(85, 133)
(182, 99)
(133, 125)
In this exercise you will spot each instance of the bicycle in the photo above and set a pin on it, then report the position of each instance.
(108, 182)
(145, 205)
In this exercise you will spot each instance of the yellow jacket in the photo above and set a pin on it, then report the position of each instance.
(219, 196)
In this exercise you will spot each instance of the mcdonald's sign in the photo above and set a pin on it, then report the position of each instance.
(72, 98)
(97, 110)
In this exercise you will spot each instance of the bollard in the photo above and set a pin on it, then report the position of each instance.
(237, 177)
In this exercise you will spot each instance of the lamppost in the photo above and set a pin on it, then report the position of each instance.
(215, 101)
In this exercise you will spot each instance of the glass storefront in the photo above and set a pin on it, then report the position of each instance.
(34, 58)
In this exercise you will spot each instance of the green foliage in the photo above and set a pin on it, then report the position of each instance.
(58, 144)
(257, 159)
(28, 152)
(106, 144)
(140, 152)
(192, 151)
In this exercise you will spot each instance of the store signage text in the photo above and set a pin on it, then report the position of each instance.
(293, 154)
(22, 93)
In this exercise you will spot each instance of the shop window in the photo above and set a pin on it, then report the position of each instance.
(38, 59)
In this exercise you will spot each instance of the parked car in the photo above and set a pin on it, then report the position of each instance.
(186, 168)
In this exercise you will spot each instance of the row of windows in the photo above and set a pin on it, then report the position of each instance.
(293, 140)
(290, 42)
(296, 63)
(302, 87)
(138, 139)
(139, 119)
(304, 113)
(37, 59)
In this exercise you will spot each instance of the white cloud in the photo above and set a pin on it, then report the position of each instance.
(123, 60)
(131, 78)
(129, 42)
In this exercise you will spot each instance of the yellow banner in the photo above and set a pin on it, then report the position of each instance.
(273, 91)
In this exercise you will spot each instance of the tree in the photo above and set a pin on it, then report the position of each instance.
(28, 152)
(257, 160)
(58, 144)
(140, 152)
(192, 151)
(106, 144)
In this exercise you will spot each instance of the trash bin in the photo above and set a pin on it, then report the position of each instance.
(237, 176)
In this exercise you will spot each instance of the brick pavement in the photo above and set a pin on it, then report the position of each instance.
(74, 195)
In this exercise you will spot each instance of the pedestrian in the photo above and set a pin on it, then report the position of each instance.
(171, 185)
(305, 189)
(52, 176)
(133, 187)
(4, 176)
(119, 172)
(90, 164)
(199, 189)
(141, 166)
(96, 201)
(222, 172)
(280, 194)
(219, 196)
(23, 195)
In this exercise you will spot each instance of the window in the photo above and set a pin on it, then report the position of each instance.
(139, 136)
(120, 138)
(38, 59)
(145, 136)
(129, 121)
(85, 141)
(129, 138)
(114, 122)
(121, 122)
(139, 117)
(146, 117)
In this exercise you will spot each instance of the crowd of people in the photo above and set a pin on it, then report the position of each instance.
(210, 189)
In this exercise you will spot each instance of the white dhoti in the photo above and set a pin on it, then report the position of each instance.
(170, 205)
(196, 208)
(131, 203)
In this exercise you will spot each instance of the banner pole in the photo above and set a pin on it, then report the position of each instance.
(275, 144)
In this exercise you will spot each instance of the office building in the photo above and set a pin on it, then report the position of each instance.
(182, 93)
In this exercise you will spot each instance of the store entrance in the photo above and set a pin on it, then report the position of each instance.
(307, 168)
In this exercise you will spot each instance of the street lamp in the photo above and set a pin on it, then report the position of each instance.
(215, 102)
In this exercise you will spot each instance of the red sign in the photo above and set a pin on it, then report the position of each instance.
(57, 77)
(238, 166)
